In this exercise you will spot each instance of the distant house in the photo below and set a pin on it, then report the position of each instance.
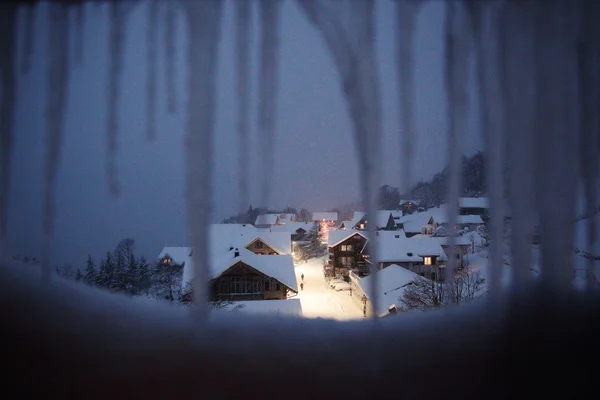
(345, 251)
(383, 220)
(297, 230)
(266, 220)
(408, 206)
(331, 217)
(473, 206)
(174, 255)
(461, 243)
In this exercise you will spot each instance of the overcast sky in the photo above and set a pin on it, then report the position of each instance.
(315, 153)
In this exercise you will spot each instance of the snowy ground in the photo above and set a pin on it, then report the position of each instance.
(318, 300)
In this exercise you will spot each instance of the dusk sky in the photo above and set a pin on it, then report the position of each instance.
(315, 153)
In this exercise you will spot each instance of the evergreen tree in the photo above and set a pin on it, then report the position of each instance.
(78, 275)
(90, 272)
(105, 275)
(143, 277)
(166, 281)
(119, 281)
(314, 245)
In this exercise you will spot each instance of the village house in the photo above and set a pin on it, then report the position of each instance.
(266, 220)
(408, 206)
(473, 206)
(297, 230)
(246, 263)
(174, 255)
(345, 254)
(412, 254)
(384, 220)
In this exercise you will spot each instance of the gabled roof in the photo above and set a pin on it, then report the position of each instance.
(338, 236)
(266, 219)
(327, 216)
(381, 218)
(473, 202)
(401, 249)
(281, 242)
(279, 267)
(351, 224)
(285, 218)
(391, 283)
(178, 254)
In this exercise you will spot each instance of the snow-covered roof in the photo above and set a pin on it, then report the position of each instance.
(279, 267)
(177, 254)
(473, 202)
(327, 216)
(292, 227)
(401, 249)
(336, 237)
(351, 224)
(224, 236)
(444, 240)
(289, 307)
(285, 218)
(391, 283)
(381, 218)
(278, 241)
(266, 219)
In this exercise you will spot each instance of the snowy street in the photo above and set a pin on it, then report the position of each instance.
(318, 300)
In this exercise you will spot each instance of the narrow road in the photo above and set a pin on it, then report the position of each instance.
(318, 300)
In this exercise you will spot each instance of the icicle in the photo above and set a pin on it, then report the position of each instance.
(170, 56)
(28, 38)
(556, 116)
(204, 22)
(518, 77)
(151, 75)
(118, 13)
(56, 101)
(406, 12)
(589, 64)
(8, 26)
(79, 32)
(243, 77)
(487, 52)
(456, 89)
(268, 79)
(353, 51)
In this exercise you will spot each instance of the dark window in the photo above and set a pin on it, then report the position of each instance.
(457, 256)
(258, 244)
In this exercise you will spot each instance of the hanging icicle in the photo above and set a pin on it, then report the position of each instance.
(352, 47)
(485, 18)
(79, 35)
(268, 79)
(118, 14)
(589, 86)
(29, 33)
(556, 115)
(151, 74)
(455, 77)
(204, 24)
(242, 44)
(518, 81)
(406, 12)
(8, 79)
(56, 102)
(170, 56)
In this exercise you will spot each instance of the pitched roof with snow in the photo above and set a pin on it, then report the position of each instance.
(327, 216)
(266, 219)
(224, 236)
(281, 242)
(391, 283)
(473, 202)
(338, 236)
(177, 254)
(401, 249)
(280, 267)
(444, 240)
(285, 218)
(381, 218)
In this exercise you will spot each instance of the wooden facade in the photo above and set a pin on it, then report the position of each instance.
(347, 255)
(242, 282)
(259, 247)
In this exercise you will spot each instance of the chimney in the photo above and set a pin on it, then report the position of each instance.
(237, 253)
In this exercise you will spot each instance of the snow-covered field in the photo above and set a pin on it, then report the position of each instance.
(318, 300)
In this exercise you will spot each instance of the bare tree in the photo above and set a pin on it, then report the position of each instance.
(430, 291)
